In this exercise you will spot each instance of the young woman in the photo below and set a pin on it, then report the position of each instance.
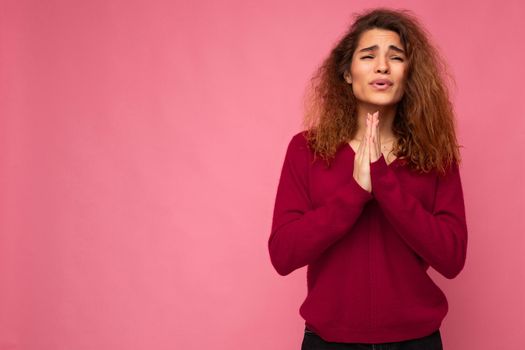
(387, 201)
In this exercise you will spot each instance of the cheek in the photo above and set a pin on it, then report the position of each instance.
(402, 74)
(402, 86)
(358, 73)
(359, 89)
(359, 80)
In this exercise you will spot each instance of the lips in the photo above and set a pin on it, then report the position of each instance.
(381, 82)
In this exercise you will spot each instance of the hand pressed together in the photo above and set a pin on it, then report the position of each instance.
(369, 150)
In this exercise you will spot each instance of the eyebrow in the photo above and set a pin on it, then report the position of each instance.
(390, 47)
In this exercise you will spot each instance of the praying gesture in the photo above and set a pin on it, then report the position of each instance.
(369, 150)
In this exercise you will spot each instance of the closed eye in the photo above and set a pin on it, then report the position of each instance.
(395, 58)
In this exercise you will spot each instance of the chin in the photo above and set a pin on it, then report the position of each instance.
(386, 101)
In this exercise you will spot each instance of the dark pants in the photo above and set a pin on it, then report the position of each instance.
(312, 341)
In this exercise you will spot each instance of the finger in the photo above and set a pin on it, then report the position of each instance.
(374, 152)
(373, 127)
(359, 154)
(377, 140)
(368, 125)
(371, 138)
(360, 148)
(366, 135)
(366, 157)
(362, 144)
(373, 149)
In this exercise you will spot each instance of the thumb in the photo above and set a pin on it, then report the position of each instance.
(366, 158)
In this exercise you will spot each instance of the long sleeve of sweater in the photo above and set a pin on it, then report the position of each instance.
(439, 237)
(301, 233)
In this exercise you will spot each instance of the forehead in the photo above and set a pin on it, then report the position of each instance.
(381, 37)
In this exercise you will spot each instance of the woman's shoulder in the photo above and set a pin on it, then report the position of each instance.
(298, 149)
(301, 136)
(299, 140)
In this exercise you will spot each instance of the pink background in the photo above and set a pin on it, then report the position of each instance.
(140, 148)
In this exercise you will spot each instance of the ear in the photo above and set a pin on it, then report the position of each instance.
(348, 77)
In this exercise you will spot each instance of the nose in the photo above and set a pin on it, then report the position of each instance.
(382, 66)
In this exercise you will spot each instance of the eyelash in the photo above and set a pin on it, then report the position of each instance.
(397, 57)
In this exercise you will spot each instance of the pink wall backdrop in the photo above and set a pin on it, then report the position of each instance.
(140, 148)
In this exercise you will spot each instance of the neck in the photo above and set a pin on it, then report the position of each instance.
(386, 119)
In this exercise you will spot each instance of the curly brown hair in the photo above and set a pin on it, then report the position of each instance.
(424, 125)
